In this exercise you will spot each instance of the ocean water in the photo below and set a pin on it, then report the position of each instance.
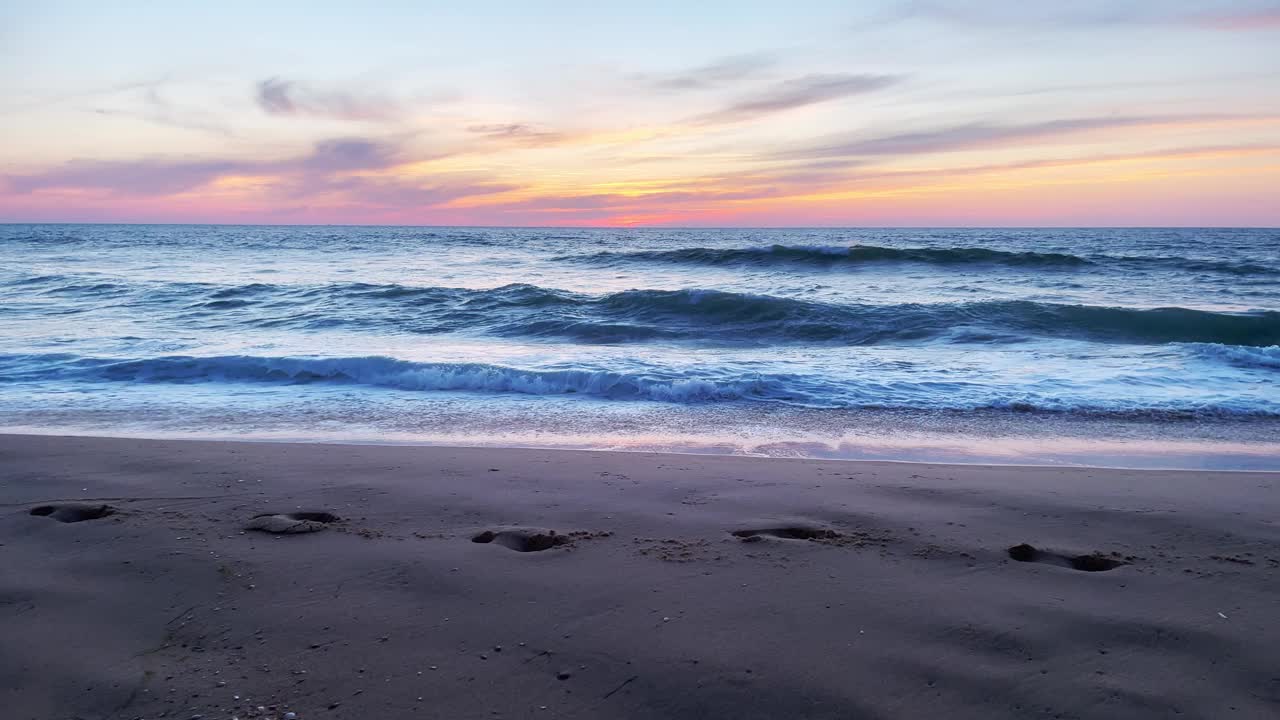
(1142, 347)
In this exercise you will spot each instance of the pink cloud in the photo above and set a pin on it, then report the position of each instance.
(1263, 19)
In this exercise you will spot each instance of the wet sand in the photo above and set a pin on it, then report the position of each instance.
(181, 578)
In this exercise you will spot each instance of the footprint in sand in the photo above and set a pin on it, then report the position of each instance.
(1094, 562)
(793, 532)
(291, 523)
(73, 512)
(524, 540)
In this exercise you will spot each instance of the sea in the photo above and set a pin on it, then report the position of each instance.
(1108, 347)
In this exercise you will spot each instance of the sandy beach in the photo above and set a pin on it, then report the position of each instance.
(674, 586)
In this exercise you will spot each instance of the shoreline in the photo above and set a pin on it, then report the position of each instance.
(1243, 451)
(676, 586)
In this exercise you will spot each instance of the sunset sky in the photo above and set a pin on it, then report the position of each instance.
(740, 113)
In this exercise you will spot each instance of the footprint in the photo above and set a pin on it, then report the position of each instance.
(73, 512)
(1094, 562)
(525, 540)
(291, 523)
(795, 532)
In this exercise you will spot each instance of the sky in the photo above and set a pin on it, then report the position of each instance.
(763, 114)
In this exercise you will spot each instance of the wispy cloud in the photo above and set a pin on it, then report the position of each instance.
(277, 96)
(157, 108)
(1009, 13)
(333, 168)
(622, 202)
(725, 195)
(796, 93)
(165, 176)
(525, 134)
(973, 135)
(397, 194)
(871, 175)
(345, 154)
(273, 97)
(719, 73)
(1267, 18)
(1088, 14)
(141, 177)
(35, 101)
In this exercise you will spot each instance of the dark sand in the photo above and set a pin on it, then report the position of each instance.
(674, 586)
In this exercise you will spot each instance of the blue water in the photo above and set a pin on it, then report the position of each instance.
(1123, 346)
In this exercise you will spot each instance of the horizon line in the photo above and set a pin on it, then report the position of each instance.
(660, 227)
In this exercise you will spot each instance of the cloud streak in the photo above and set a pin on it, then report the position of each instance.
(849, 180)
(276, 96)
(159, 110)
(335, 168)
(141, 177)
(797, 93)
(720, 73)
(400, 195)
(1087, 14)
(522, 134)
(974, 135)
(165, 176)
(1241, 20)
(619, 202)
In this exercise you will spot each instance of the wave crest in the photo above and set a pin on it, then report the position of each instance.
(379, 371)
(1250, 357)
(689, 315)
(655, 385)
(827, 256)
(855, 256)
